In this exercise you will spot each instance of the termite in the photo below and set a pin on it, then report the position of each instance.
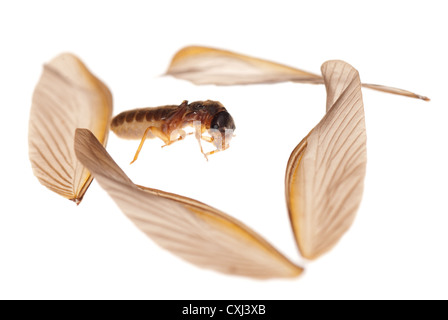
(168, 122)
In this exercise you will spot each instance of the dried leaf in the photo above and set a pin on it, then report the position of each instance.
(66, 97)
(325, 173)
(203, 65)
(191, 230)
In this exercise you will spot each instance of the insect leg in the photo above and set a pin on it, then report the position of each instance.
(182, 135)
(208, 139)
(198, 134)
(155, 131)
(216, 151)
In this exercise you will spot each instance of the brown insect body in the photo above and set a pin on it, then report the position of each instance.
(167, 123)
(133, 123)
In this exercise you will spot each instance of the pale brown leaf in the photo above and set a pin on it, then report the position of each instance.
(66, 97)
(189, 229)
(204, 65)
(325, 173)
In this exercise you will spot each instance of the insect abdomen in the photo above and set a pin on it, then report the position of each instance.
(133, 123)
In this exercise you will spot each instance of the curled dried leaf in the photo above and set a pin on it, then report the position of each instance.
(66, 97)
(325, 173)
(189, 229)
(204, 65)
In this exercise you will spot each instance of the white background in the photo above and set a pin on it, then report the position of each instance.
(397, 247)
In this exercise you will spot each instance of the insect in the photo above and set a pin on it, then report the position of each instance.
(168, 122)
